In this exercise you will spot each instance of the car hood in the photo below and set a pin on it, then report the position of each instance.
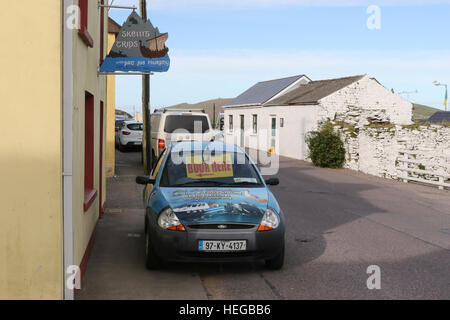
(217, 205)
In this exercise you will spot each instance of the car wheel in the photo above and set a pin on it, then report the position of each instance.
(121, 147)
(152, 261)
(277, 262)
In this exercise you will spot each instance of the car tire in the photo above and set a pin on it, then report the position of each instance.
(152, 261)
(121, 147)
(277, 262)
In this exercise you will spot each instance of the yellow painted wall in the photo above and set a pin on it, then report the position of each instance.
(31, 247)
(86, 78)
(111, 118)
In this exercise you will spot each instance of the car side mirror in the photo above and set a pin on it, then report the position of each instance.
(273, 182)
(145, 180)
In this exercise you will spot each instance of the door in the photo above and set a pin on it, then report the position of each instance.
(242, 131)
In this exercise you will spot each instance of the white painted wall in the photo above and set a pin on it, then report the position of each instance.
(367, 94)
(375, 150)
(298, 120)
(357, 102)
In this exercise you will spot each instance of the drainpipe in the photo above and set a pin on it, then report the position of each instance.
(67, 146)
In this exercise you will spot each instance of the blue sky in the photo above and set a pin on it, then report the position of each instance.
(220, 48)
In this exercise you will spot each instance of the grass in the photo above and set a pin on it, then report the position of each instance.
(422, 112)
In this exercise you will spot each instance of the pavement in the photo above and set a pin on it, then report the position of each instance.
(339, 222)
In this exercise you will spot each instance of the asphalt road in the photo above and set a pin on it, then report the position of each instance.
(339, 223)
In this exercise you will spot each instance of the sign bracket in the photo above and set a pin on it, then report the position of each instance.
(100, 5)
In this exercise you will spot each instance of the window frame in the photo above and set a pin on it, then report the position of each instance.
(90, 193)
(102, 31)
(255, 124)
(230, 123)
(84, 23)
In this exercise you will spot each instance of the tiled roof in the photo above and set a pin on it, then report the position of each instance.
(314, 91)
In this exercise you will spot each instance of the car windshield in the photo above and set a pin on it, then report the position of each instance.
(186, 123)
(228, 169)
(136, 127)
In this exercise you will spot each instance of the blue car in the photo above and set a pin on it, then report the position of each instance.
(207, 202)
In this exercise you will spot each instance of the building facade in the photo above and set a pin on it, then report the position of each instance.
(281, 124)
(52, 184)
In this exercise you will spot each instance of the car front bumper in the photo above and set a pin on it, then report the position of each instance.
(178, 246)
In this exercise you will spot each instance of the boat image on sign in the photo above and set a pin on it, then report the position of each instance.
(199, 207)
(157, 48)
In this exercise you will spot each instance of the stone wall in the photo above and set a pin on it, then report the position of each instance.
(374, 149)
(366, 99)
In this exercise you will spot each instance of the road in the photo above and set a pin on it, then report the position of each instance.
(339, 222)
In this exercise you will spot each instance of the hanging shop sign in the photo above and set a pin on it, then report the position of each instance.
(139, 48)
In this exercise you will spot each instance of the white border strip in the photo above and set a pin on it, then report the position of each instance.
(67, 146)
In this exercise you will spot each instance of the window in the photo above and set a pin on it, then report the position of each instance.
(255, 124)
(242, 173)
(102, 31)
(136, 127)
(187, 123)
(89, 192)
(281, 122)
(274, 127)
(230, 127)
(84, 18)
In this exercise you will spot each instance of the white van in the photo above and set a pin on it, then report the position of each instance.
(169, 125)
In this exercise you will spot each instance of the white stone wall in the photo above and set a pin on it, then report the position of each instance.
(376, 150)
(371, 97)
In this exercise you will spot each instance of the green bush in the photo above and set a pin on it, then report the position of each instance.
(326, 148)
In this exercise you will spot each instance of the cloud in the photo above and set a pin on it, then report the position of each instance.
(242, 4)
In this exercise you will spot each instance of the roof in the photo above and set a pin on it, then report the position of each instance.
(314, 91)
(113, 26)
(439, 117)
(263, 91)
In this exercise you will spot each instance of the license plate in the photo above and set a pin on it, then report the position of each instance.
(138, 143)
(222, 246)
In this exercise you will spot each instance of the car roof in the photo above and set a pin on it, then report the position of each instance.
(184, 113)
(211, 146)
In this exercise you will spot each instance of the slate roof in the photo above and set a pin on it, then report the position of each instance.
(314, 91)
(439, 117)
(263, 91)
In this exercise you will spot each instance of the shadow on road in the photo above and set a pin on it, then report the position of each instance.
(330, 243)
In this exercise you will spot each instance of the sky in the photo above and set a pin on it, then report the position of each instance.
(220, 48)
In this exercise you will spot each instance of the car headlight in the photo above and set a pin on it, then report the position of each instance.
(270, 221)
(169, 221)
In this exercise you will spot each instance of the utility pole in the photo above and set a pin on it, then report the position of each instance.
(214, 116)
(146, 112)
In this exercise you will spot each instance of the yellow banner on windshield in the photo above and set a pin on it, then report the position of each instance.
(199, 167)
